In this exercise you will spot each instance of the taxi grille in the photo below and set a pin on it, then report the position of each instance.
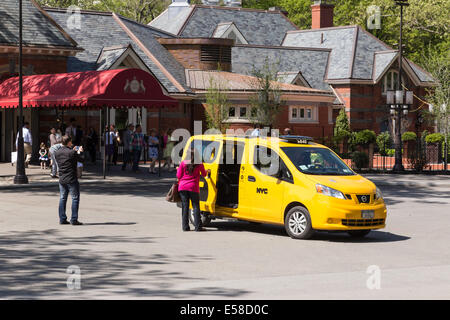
(362, 222)
(363, 198)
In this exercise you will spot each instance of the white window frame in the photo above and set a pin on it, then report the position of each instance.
(384, 81)
(299, 110)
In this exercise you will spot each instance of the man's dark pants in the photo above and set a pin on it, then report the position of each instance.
(74, 190)
(194, 197)
(126, 158)
(136, 158)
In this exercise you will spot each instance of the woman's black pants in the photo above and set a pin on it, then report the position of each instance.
(194, 198)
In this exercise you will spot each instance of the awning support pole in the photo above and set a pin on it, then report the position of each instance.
(159, 145)
(106, 141)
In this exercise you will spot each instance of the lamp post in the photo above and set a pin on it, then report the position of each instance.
(400, 102)
(399, 107)
(20, 177)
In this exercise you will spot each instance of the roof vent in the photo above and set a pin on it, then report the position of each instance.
(227, 3)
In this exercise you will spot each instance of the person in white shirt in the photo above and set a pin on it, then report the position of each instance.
(256, 132)
(71, 130)
(27, 143)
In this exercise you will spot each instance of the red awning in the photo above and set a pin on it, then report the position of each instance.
(123, 88)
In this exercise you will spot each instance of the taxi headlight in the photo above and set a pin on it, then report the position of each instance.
(329, 191)
(378, 194)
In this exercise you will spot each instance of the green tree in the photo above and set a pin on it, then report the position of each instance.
(266, 102)
(342, 127)
(439, 96)
(217, 105)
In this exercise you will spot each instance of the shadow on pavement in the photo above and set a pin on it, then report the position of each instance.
(33, 264)
(239, 226)
(109, 224)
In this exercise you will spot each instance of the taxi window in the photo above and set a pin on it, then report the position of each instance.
(207, 148)
(269, 163)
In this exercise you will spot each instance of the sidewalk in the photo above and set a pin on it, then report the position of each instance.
(92, 173)
(409, 180)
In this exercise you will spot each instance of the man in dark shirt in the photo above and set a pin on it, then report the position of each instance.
(67, 159)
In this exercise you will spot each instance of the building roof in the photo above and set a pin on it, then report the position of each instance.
(355, 53)
(311, 62)
(38, 28)
(109, 56)
(261, 27)
(104, 29)
(201, 80)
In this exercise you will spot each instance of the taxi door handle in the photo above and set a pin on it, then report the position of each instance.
(251, 178)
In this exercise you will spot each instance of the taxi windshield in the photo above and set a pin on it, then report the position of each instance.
(317, 161)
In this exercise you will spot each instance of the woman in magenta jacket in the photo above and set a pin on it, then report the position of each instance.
(188, 176)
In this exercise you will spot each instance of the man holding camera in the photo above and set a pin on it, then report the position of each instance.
(67, 158)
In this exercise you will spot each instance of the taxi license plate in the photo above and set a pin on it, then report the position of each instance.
(367, 214)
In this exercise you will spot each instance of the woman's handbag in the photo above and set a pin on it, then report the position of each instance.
(173, 195)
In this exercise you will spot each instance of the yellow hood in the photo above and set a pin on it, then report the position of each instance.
(346, 184)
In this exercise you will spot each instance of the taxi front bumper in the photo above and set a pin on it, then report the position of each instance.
(338, 214)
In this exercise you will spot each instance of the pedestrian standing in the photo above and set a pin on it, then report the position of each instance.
(188, 176)
(169, 144)
(91, 142)
(71, 130)
(54, 139)
(110, 138)
(52, 152)
(126, 141)
(137, 145)
(27, 143)
(153, 145)
(43, 155)
(67, 158)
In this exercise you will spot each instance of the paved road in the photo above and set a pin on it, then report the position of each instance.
(132, 247)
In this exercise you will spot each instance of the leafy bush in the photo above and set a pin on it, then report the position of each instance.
(409, 136)
(384, 142)
(360, 159)
(390, 152)
(364, 137)
(434, 138)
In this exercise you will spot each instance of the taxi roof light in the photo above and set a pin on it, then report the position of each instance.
(297, 139)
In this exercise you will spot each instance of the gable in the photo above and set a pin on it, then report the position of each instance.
(197, 21)
(102, 30)
(228, 30)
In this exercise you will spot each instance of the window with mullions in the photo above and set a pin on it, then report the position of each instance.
(389, 81)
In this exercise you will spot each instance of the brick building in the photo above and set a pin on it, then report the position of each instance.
(347, 61)
(95, 41)
(320, 70)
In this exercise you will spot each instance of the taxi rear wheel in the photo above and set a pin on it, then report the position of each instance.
(298, 223)
(205, 219)
(358, 233)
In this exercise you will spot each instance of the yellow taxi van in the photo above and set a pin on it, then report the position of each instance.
(286, 180)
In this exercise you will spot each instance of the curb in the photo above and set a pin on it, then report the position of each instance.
(409, 184)
(32, 185)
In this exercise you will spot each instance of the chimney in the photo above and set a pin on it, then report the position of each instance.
(322, 14)
(177, 6)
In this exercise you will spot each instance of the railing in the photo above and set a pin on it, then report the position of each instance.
(426, 158)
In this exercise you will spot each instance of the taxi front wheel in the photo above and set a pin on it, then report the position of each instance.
(298, 223)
